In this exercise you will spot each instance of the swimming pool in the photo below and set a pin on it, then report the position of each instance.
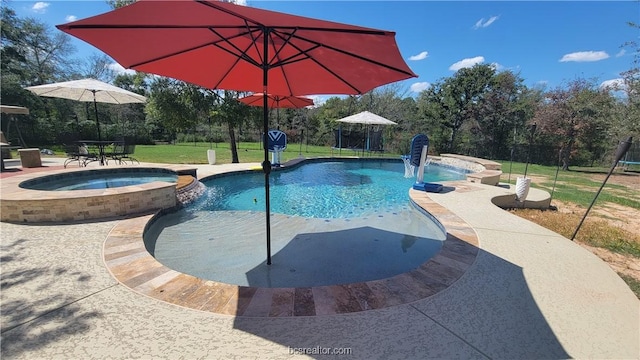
(100, 179)
(333, 222)
(328, 189)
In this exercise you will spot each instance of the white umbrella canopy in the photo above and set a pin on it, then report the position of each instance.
(88, 90)
(366, 118)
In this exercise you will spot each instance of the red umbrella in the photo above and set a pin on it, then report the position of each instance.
(277, 102)
(221, 45)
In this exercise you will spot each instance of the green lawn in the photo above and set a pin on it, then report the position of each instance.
(188, 153)
(576, 186)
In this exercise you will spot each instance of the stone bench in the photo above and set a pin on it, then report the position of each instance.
(489, 177)
(30, 158)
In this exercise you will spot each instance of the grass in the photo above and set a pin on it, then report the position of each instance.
(579, 188)
(575, 186)
(594, 232)
(188, 153)
(633, 283)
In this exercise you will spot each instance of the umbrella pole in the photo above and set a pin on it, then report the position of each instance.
(100, 146)
(266, 166)
(95, 108)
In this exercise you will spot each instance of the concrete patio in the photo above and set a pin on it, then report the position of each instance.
(530, 294)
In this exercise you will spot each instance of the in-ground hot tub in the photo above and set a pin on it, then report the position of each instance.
(100, 179)
(22, 199)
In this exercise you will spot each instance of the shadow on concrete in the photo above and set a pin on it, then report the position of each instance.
(39, 304)
(447, 189)
(488, 312)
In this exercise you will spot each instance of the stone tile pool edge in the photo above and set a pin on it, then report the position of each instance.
(127, 259)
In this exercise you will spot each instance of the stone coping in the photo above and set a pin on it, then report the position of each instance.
(483, 171)
(487, 164)
(133, 266)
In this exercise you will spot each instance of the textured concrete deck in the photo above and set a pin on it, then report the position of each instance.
(530, 293)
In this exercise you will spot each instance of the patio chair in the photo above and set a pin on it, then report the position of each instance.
(117, 152)
(73, 154)
(80, 154)
(86, 156)
(129, 149)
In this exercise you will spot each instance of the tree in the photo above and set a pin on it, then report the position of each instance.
(47, 55)
(630, 117)
(13, 57)
(171, 106)
(453, 102)
(119, 3)
(232, 113)
(504, 108)
(32, 54)
(96, 66)
(576, 119)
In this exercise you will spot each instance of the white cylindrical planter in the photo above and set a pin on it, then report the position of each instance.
(522, 188)
(211, 156)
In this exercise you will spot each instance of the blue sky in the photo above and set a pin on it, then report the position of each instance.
(547, 43)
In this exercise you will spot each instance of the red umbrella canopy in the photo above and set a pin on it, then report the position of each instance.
(277, 101)
(219, 45)
(222, 45)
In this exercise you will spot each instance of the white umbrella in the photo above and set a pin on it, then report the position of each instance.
(88, 90)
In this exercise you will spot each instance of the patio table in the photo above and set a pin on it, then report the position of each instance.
(101, 145)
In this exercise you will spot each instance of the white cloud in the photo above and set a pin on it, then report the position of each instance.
(240, 2)
(621, 53)
(70, 18)
(497, 66)
(40, 7)
(613, 84)
(423, 55)
(419, 86)
(118, 69)
(584, 56)
(483, 24)
(465, 63)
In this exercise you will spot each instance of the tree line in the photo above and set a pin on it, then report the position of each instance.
(478, 111)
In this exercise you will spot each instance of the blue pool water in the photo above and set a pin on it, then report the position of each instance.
(331, 223)
(339, 189)
(99, 179)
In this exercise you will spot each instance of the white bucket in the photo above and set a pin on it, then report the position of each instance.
(211, 156)
(522, 188)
